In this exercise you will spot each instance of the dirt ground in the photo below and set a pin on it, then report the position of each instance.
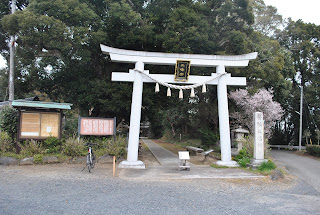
(305, 154)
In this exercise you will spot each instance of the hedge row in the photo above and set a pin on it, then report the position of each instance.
(313, 150)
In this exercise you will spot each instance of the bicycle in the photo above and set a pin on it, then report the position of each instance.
(91, 159)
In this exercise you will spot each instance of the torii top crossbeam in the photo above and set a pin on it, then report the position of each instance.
(159, 58)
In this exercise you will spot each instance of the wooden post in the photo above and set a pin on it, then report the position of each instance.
(114, 165)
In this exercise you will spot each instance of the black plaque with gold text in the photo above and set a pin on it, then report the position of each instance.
(182, 70)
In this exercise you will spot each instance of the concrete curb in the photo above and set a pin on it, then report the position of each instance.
(11, 161)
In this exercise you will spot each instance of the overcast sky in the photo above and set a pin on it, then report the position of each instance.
(307, 10)
(2, 62)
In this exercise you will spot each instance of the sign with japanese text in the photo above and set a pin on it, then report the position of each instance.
(182, 70)
(39, 125)
(258, 135)
(97, 126)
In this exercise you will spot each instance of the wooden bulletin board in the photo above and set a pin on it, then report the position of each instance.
(39, 125)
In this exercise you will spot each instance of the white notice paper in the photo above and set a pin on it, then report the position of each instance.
(48, 129)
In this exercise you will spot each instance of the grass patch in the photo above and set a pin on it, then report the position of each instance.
(61, 157)
(218, 166)
(267, 166)
(11, 154)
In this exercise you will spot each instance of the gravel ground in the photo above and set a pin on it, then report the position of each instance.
(65, 189)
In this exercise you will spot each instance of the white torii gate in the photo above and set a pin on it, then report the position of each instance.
(138, 76)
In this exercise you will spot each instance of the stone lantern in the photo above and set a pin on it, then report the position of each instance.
(238, 137)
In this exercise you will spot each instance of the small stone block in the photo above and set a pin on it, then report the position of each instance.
(7, 161)
(27, 161)
(255, 163)
(50, 160)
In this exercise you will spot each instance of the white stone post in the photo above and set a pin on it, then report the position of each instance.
(258, 146)
(224, 127)
(135, 117)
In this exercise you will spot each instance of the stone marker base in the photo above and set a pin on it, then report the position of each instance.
(132, 165)
(26, 161)
(256, 162)
(227, 163)
(7, 161)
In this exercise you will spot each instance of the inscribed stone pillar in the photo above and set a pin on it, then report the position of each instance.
(258, 126)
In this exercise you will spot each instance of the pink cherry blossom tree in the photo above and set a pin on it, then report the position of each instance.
(261, 101)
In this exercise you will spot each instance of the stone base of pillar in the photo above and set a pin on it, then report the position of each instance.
(132, 165)
(256, 162)
(227, 163)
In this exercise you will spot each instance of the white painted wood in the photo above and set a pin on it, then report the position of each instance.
(223, 111)
(134, 131)
(159, 58)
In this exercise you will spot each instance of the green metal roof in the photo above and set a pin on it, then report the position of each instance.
(37, 104)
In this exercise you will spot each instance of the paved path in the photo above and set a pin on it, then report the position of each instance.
(169, 168)
(306, 168)
(164, 156)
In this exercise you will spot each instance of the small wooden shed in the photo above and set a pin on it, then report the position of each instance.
(39, 120)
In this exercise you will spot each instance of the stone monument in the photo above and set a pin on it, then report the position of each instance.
(258, 145)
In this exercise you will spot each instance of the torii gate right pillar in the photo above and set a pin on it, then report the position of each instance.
(224, 127)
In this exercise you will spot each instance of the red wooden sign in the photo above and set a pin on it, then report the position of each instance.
(97, 126)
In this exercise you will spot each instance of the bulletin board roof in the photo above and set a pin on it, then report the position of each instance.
(37, 104)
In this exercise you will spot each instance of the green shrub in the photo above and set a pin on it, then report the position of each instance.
(52, 145)
(74, 147)
(208, 138)
(243, 162)
(242, 154)
(248, 145)
(38, 159)
(243, 158)
(313, 150)
(267, 166)
(110, 147)
(9, 121)
(5, 142)
(31, 147)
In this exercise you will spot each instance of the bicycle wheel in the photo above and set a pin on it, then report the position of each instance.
(93, 160)
(89, 162)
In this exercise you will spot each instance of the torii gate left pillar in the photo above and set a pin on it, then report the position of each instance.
(140, 58)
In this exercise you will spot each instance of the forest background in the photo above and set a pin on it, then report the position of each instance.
(58, 57)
